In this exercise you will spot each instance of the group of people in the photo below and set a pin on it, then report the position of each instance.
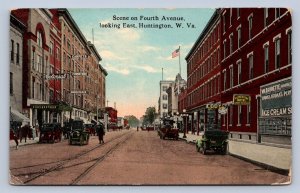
(19, 131)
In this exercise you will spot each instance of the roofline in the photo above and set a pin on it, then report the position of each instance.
(92, 46)
(65, 13)
(204, 32)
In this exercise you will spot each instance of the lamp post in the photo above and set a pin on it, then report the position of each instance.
(185, 121)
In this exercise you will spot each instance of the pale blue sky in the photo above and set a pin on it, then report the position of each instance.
(134, 57)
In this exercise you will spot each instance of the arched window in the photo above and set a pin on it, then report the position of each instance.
(39, 39)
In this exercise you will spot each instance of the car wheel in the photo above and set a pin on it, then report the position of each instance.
(224, 149)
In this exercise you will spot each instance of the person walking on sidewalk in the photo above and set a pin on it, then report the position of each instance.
(100, 132)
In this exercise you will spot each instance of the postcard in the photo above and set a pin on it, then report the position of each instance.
(150, 96)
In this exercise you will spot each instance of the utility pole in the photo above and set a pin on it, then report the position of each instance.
(107, 103)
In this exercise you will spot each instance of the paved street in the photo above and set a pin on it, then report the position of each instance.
(131, 157)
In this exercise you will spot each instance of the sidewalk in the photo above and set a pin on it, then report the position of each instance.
(190, 138)
(12, 143)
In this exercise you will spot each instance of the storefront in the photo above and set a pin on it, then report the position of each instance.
(275, 119)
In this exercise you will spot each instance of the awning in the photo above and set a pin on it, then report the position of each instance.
(17, 116)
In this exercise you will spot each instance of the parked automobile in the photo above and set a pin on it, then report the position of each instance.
(50, 133)
(213, 140)
(167, 131)
(78, 134)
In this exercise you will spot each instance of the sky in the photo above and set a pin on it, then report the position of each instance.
(134, 57)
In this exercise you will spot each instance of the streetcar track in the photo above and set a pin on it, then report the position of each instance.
(57, 167)
(70, 158)
(99, 159)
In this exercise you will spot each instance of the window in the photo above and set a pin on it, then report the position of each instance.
(250, 18)
(51, 94)
(225, 80)
(39, 39)
(277, 53)
(231, 44)
(224, 48)
(12, 51)
(248, 114)
(51, 48)
(239, 32)
(165, 106)
(289, 34)
(266, 58)
(250, 60)
(11, 85)
(165, 97)
(57, 53)
(265, 16)
(33, 59)
(277, 13)
(224, 23)
(239, 64)
(18, 54)
(32, 87)
(231, 76)
(64, 58)
(64, 39)
(165, 88)
(39, 64)
(239, 114)
(230, 16)
(237, 12)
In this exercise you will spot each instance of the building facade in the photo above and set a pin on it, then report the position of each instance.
(17, 29)
(62, 77)
(163, 98)
(239, 75)
(204, 78)
(256, 51)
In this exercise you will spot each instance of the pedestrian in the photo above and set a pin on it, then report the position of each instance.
(13, 135)
(137, 128)
(100, 132)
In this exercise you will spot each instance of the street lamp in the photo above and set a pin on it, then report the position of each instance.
(185, 128)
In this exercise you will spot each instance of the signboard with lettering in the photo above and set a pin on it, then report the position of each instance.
(276, 98)
(79, 74)
(241, 99)
(55, 76)
(78, 92)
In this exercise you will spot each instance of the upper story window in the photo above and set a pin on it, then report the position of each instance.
(237, 13)
(266, 58)
(239, 33)
(39, 39)
(265, 16)
(18, 54)
(12, 51)
(51, 48)
(250, 60)
(277, 53)
(231, 43)
(231, 76)
(277, 13)
(250, 20)
(239, 65)
(289, 34)
(224, 23)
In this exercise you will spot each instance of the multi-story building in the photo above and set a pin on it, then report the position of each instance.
(256, 57)
(204, 78)
(17, 29)
(62, 77)
(163, 98)
(36, 56)
(245, 71)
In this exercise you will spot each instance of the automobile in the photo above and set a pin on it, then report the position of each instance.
(90, 128)
(78, 134)
(167, 131)
(50, 133)
(213, 140)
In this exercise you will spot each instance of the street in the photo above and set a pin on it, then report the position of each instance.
(130, 157)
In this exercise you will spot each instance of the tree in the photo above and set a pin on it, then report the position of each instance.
(149, 116)
(132, 120)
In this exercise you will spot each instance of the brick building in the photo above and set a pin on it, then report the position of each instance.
(256, 51)
(62, 77)
(204, 78)
(239, 53)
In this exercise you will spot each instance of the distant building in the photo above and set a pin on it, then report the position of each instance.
(163, 97)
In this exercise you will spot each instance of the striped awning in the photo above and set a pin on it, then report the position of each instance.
(17, 116)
